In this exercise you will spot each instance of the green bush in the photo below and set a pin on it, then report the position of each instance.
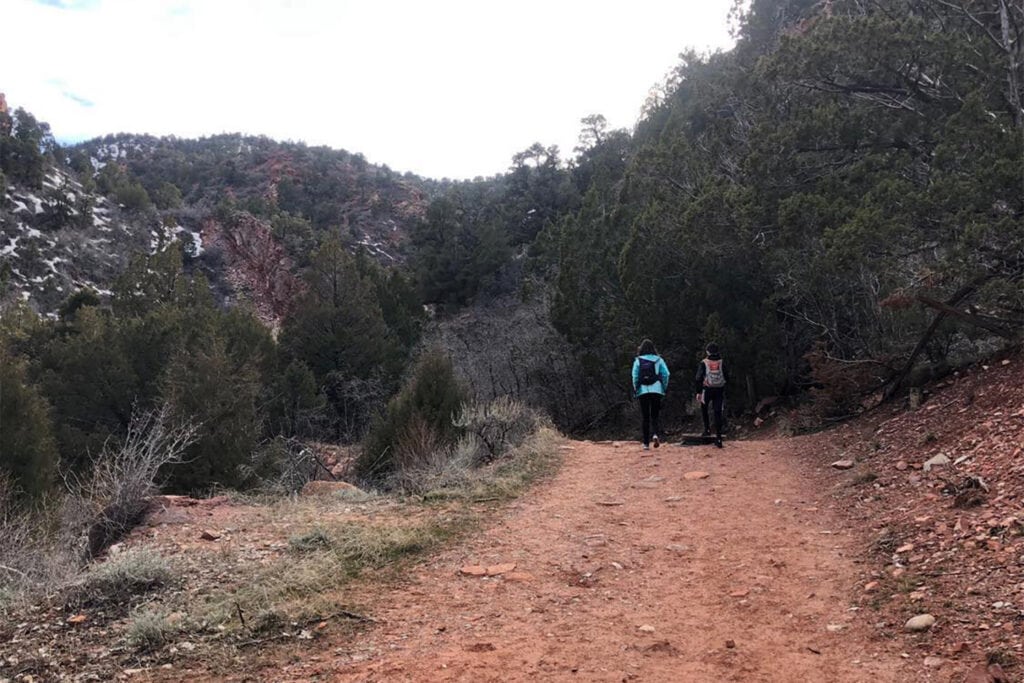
(419, 419)
(28, 451)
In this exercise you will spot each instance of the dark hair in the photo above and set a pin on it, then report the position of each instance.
(647, 348)
(712, 349)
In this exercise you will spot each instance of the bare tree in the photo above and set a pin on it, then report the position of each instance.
(116, 494)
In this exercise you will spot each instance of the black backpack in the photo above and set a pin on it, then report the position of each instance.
(648, 372)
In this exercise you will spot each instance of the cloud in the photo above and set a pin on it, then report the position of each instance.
(78, 99)
(448, 88)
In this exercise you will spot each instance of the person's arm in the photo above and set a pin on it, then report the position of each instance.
(699, 379)
(663, 374)
(636, 376)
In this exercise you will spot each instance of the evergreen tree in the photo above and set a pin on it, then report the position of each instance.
(28, 451)
(429, 401)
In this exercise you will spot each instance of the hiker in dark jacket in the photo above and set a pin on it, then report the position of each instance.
(650, 382)
(710, 381)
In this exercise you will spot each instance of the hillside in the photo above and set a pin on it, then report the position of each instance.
(244, 211)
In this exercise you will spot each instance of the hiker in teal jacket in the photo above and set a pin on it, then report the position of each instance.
(650, 382)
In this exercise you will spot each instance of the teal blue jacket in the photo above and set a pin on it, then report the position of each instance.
(659, 387)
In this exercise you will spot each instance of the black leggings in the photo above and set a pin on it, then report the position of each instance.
(716, 397)
(650, 406)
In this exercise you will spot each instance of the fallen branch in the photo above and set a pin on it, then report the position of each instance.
(315, 620)
(976, 320)
(958, 296)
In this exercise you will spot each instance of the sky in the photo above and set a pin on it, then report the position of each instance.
(441, 88)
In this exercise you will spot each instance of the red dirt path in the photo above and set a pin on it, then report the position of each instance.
(751, 557)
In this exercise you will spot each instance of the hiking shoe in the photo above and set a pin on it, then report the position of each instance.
(718, 442)
(655, 441)
(707, 432)
(646, 447)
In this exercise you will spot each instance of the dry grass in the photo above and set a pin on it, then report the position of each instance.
(305, 583)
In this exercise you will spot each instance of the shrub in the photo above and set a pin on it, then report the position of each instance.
(839, 386)
(116, 494)
(280, 467)
(419, 417)
(149, 629)
(499, 425)
(438, 468)
(121, 577)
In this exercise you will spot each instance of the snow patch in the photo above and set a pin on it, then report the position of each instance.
(35, 200)
(10, 248)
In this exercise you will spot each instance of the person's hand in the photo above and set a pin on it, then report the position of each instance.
(698, 397)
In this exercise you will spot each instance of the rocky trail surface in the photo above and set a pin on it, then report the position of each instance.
(678, 564)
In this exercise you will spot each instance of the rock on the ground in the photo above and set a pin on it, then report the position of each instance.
(473, 570)
(934, 662)
(696, 474)
(209, 535)
(940, 460)
(646, 628)
(922, 622)
(987, 673)
(498, 569)
(842, 464)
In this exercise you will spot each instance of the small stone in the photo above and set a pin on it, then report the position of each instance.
(498, 569)
(922, 622)
(934, 662)
(835, 628)
(902, 465)
(842, 464)
(742, 593)
(696, 474)
(940, 460)
(77, 619)
(730, 644)
(646, 628)
(905, 548)
(209, 535)
(473, 570)
(870, 586)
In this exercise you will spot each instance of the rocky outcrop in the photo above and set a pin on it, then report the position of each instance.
(255, 265)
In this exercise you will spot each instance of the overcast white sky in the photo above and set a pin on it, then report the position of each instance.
(442, 88)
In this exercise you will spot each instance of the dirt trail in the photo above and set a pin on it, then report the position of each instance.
(752, 554)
